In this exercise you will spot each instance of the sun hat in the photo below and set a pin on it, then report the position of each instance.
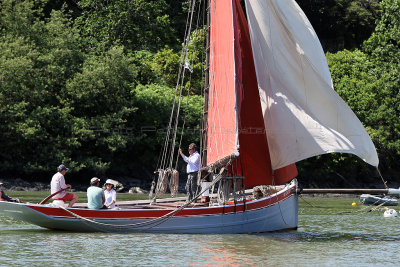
(109, 181)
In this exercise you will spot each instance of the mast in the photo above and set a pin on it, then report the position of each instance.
(206, 87)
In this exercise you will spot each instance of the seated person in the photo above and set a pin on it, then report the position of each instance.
(110, 194)
(5, 197)
(57, 184)
(95, 195)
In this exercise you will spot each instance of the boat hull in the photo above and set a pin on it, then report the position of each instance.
(368, 199)
(275, 213)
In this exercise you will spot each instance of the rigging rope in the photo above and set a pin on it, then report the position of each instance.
(383, 180)
(164, 155)
(150, 223)
(166, 159)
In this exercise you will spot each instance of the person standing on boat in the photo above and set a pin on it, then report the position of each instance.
(192, 169)
(110, 194)
(5, 197)
(58, 183)
(95, 195)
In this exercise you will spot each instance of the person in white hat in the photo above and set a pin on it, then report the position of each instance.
(95, 195)
(110, 194)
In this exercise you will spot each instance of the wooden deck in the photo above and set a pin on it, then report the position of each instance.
(165, 203)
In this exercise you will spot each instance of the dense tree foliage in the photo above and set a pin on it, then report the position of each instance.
(136, 24)
(342, 23)
(90, 83)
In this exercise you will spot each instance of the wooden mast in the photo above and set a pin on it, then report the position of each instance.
(206, 87)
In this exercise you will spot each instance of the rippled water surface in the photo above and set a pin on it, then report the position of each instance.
(330, 233)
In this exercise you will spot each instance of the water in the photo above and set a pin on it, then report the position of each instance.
(330, 235)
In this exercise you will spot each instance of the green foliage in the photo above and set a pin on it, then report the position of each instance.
(136, 24)
(37, 57)
(383, 45)
(369, 83)
(91, 83)
(367, 91)
(101, 106)
(166, 63)
(59, 103)
(341, 23)
(154, 103)
(383, 49)
(143, 59)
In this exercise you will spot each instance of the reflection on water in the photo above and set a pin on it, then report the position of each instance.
(366, 239)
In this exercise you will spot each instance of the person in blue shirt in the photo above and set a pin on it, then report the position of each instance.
(192, 169)
(95, 195)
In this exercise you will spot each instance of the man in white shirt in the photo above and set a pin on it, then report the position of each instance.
(193, 166)
(58, 183)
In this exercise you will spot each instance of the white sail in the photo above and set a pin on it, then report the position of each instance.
(303, 114)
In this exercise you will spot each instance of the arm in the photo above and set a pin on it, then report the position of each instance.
(61, 183)
(183, 155)
(114, 197)
(1, 199)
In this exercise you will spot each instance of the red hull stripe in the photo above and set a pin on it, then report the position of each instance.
(155, 213)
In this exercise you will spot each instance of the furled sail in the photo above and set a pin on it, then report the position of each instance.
(303, 114)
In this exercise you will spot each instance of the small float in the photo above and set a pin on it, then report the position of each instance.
(389, 213)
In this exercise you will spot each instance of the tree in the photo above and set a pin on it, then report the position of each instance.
(154, 121)
(37, 57)
(101, 108)
(136, 24)
(341, 23)
(383, 49)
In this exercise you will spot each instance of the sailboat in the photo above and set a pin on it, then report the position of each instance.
(270, 103)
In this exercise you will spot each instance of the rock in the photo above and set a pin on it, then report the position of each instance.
(137, 190)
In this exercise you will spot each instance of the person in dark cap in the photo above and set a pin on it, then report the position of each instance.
(5, 197)
(58, 183)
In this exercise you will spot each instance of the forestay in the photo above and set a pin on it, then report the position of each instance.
(303, 114)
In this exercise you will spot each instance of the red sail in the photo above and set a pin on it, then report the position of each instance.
(222, 118)
(233, 83)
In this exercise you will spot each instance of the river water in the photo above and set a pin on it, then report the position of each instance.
(329, 235)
